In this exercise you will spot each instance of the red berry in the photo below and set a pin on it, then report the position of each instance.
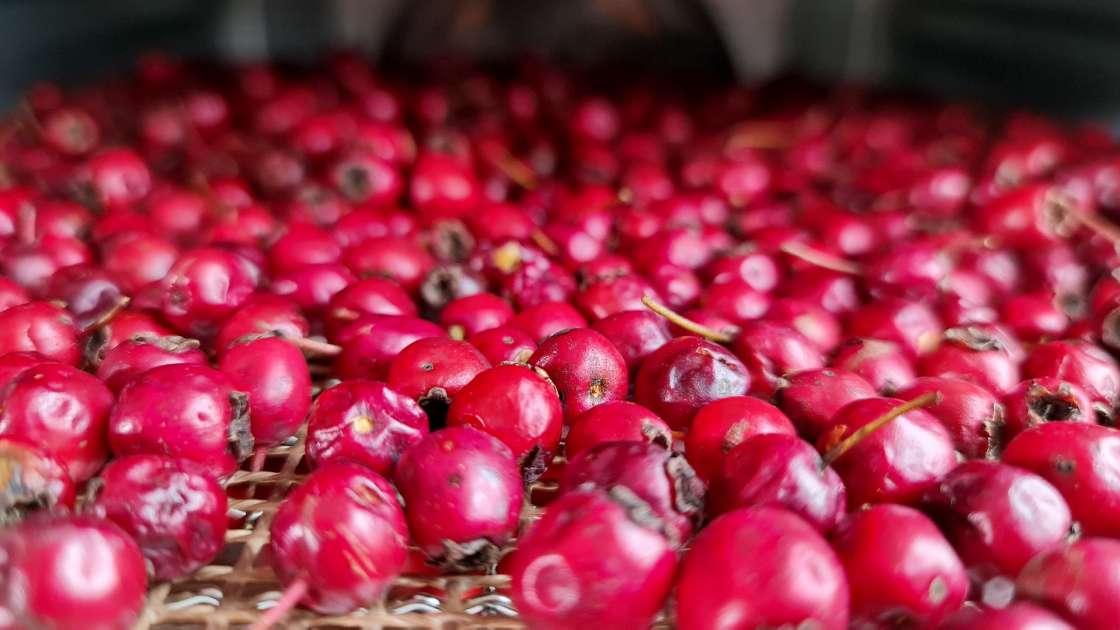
(883, 364)
(463, 493)
(203, 288)
(118, 177)
(1079, 581)
(1016, 616)
(342, 536)
(973, 416)
(467, 316)
(586, 562)
(998, 516)
(636, 335)
(1078, 363)
(912, 325)
(140, 353)
(393, 258)
(616, 421)
(370, 344)
(274, 374)
(432, 372)
(721, 425)
(504, 343)
(810, 398)
(173, 508)
(895, 464)
(519, 406)
(182, 410)
(260, 314)
(770, 351)
(1083, 462)
(40, 327)
(547, 319)
(584, 366)
(786, 554)
(984, 355)
(71, 572)
(364, 422)
(1041, 400)
(686, 373)
(63, 411)
(900, 568)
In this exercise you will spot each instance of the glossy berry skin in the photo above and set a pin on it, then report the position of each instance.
(636, 335)
(88, 292)
(274, 374)
(973, 416)
(659, 478)
(810, 398)
(342, 532)
(722, 425)
(998, 516)
(432, 371)
(125, 325)
(1016, 616)
(1079, 363)
(463, 494)
(883, 364)
(132, 357)
(519, 406)
(71, 572)
(397, 259)
(63, 411)
(370, 344)
(263, 313)
(372, 296)
(203, 288)
(1041, 400)
(364, 422)
(586, 563)
(12, 294)
(180, 410)
(898, 462)
(467, 316)
(975, 354)
(504, 343)
(912, 325)
(313, 286)
(616, 421)
(1083, 462)
(778, 470)
(900, 568)
(717, 589)
(770, 351)
(584, 366)
(1079, 581)
(31, 479)
(15, 363)
(685, 374)
(40, 327)
(547, 319)
(173, 508)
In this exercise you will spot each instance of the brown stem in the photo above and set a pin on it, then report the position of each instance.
(107, 316)
(820, 259)
(292, 594)
(711, 334)
(313, 347)
(1096, 224)
(834, 453)
(516, 170)
(546, 244)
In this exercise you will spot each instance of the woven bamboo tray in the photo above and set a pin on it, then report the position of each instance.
(239, 586)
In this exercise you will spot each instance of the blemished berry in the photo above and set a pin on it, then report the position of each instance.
(584, 366)
(685, 374)
(722, 425)
(616, 421)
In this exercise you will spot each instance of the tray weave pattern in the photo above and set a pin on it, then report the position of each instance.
(236, 589)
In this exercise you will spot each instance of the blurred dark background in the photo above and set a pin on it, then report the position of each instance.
(1058, 56)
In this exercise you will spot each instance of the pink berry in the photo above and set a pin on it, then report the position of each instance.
(369, 345)
(364, 422)
(770, 351)
(586, 562)
(1078, 580)
(810, 398)
(548, 319)
(463, 494)
(62, 410)
(504, 343)
(584, 366)
(71, 572)
(778, 470)
(1083, 462)
(341, 536)
(977, 499)
(467, 316)
(274, 374)
(263, 313)
(973, 416)
(721, 425)
(715, 584)
(181, 410)
(518, 405)
(372, 296)
(900, 568)
(616, 421)
(40, 327)
(173, 508)
(685, 374)
(636, 335)
(978, 354)
(883, 364)
(432, 371)
(137, 355)
(203, 288)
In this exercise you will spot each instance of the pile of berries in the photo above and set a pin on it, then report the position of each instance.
(787, 357)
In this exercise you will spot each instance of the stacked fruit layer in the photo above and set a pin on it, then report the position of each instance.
(787, 358)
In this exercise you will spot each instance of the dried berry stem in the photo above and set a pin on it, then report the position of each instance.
(546, 244)
(295, 592)
(107, 316)
(820, 259)
(516, 170)
(313, 347)
(710, 334)
(929, 398)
